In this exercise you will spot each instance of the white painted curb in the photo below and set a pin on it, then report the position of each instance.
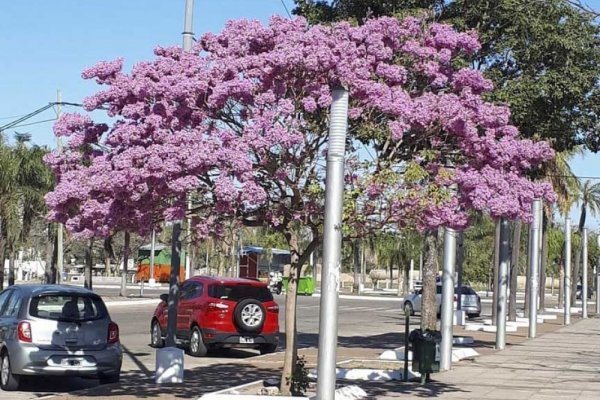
(366, 297)
(131, 302)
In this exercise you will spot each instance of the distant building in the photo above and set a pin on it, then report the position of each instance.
(257, 262)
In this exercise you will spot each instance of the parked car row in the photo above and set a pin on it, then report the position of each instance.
(470, 301)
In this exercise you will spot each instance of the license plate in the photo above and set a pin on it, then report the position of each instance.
(70, 362)
(246, 339)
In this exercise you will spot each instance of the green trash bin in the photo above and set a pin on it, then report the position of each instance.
(306, 285)
(425, 348)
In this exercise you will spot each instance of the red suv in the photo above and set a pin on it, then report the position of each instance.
(217, 313)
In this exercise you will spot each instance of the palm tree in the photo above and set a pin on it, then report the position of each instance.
(24, 184)
(7, 171)
(566, 186)
(589, 196)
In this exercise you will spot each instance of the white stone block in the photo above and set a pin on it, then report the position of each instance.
(459, 317)
(463, 353)
(169, 365)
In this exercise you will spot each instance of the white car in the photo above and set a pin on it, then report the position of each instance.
(470, 301)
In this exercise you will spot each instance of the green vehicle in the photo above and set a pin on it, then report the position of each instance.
(306, 285)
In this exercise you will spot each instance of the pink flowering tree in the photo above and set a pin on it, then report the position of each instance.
(240, 125)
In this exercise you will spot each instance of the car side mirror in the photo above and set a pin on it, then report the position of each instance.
(164, 297)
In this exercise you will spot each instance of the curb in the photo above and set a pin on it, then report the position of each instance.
(130, 302)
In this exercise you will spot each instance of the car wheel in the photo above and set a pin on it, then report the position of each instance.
(8, 380)
(249, 315)
(156, 339)
(110, 378)
(268, 348)
(408, 308)
(197, 348)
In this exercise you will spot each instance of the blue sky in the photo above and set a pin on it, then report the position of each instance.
(44, 46)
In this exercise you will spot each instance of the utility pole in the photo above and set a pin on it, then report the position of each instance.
(59, 229)
(332, 243)
(567, 282)
(169, 360)
(584, 278)
(447, 298)
(534, 255)
(502, 285)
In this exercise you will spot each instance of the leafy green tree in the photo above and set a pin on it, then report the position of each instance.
(590, 202)
(542, 56)
(25, 180)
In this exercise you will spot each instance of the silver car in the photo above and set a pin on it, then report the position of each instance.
(56, 330)
(470, 301)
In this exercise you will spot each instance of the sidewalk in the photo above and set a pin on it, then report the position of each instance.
(564, 364)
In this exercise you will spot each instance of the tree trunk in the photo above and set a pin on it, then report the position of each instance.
(561, 282)
(11, 267)
(49, 269)
(221, 264)
(123, 292)
(460, 260)
(291, 342)
(89, 263)
(429, 309)
(406, 283)
(495, 272)
(514, 271)
(107, 255)
(356, 262)
(544, 260)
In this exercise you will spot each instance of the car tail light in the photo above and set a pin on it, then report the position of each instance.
(273, 308)
(219, 307)
(24, 331)
(113, 333)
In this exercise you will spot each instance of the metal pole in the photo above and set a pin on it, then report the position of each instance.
(59, 231)
(447, 298)
(598, 280)
(175, 240)
(188, 35)
(584, 278)
(332, 240)
(406, 333)
(534, 254)
(173, 285)
(567, 266)
(151, 279)
(502, 285)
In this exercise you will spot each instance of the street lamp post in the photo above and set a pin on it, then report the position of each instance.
(447, 298)
(534, 254)
(332, 240)
(567, 282)
(502, 286)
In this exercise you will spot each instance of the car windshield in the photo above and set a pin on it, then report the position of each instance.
(240, 292)
(67, 307)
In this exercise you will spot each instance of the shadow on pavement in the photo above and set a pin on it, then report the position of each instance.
(396, 389)
(197, 381)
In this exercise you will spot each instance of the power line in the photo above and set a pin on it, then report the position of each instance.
(286, 9)
(34, 123)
